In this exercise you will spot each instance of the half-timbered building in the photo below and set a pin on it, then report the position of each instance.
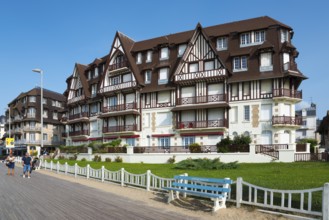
(191, 87)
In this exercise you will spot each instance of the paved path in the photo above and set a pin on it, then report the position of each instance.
(45, 197)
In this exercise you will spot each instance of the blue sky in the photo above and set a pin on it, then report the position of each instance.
(54, 35)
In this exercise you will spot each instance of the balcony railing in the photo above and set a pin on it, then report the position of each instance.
(122, 107)
(79, 115)
(118, 86)
(30, 128)
(287, 93)
(31, 115)
(286, 120)
(290, 66)
(200, 75)
(75, 99)
(78, 133)
(202, 124)
(118, 65)
(202, 99)
(120, 128)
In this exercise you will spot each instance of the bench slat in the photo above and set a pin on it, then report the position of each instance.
(201, 179)
(202, 187)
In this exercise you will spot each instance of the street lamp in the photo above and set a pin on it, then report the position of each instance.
(41, 100)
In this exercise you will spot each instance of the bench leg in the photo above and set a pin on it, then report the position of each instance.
(218, 205)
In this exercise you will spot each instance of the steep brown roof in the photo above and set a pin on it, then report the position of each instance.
(81, 72)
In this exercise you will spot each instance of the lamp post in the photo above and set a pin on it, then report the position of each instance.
(41, 100)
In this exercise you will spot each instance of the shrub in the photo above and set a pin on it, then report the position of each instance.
(195, 148)
(61, 157)
(172, 159)
(207, 164)
(241, 140)
(109, 160)
(223, 145)
(83, 159)
(97, 158)
(118, 159)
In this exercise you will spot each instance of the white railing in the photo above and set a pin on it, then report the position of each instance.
(284, 200)
(295, 201)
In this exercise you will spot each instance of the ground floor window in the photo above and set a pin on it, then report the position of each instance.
(130, 141)
(187, 140)
(164, 142)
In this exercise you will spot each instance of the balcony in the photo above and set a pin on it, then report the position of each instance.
(290, 67)
(79, 133)
(83, 116)
(209, 76)
(221, 123)
(17, 118)
(119, 87)
(202, 99)
(124, 109)
(122, 128)
(120, 65)
(30, 115)
(286, 121)
(294, 94)
(31, 129)
(75, 99)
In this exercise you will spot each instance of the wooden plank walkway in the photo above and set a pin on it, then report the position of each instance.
(46, 197)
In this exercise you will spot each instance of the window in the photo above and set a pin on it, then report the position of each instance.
(44, 101)
(246, 88)
(130, 141)
(193, 67)
(284, 36)
(112, 101)
(163, 76)
(245, 39)
(259, 36)
(164, 142)
(303, 133)
(181, 49)
(115, 80)
(234, 114)
(127, 78)
(45, 113)
(240, 64)
(32, 99)
(163, 118)
(164, 53)
(266, 62)
(187, 140)
(246, 115)
(93, 90)
(222, 43)
(209, 65)
(32, 136)
(266, 112)
(148, 76)
(163, 97)
(139, 58)
(304, 122)
(45, 137)
(55, 115)
(146, 120)
(149, 56)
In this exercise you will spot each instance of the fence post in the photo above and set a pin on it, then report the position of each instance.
(238, 192)
(45, 164)
(66, 167)
(88, 170)
(148, 180)
(122, 176)
(75, 170)
(186, 182)
(325, 202)
(51, 165)
(57, 166)
(103, 174)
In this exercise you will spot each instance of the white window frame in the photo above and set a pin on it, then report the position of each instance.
(193, 67)
(187, 140)
(163, 76)
(284, 35)
(252, 38)
(221, 43)
(32, 99)
(240, 63)
(164, 53)
(259, 36)
(139, 58)
(148, 75)
(246, 113)
(164, 142)
(181, 49)
(206, 67)
(266, 62)
(149, 56)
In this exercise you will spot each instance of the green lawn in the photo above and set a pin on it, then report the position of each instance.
(299, 175)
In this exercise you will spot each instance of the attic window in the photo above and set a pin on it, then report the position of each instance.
(222, 43)
(181, 49)
(149, 56)
(139, 58)
(164, 53)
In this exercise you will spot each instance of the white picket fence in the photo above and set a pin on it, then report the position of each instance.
(246, 193)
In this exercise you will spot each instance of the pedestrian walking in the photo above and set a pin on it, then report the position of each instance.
(35, 163)
(10, 163)
(27, 164)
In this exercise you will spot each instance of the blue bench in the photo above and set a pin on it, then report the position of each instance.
(215, 189)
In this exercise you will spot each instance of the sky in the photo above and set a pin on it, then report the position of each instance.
(54, 35)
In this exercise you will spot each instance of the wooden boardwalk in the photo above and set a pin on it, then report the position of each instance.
(45, 197)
